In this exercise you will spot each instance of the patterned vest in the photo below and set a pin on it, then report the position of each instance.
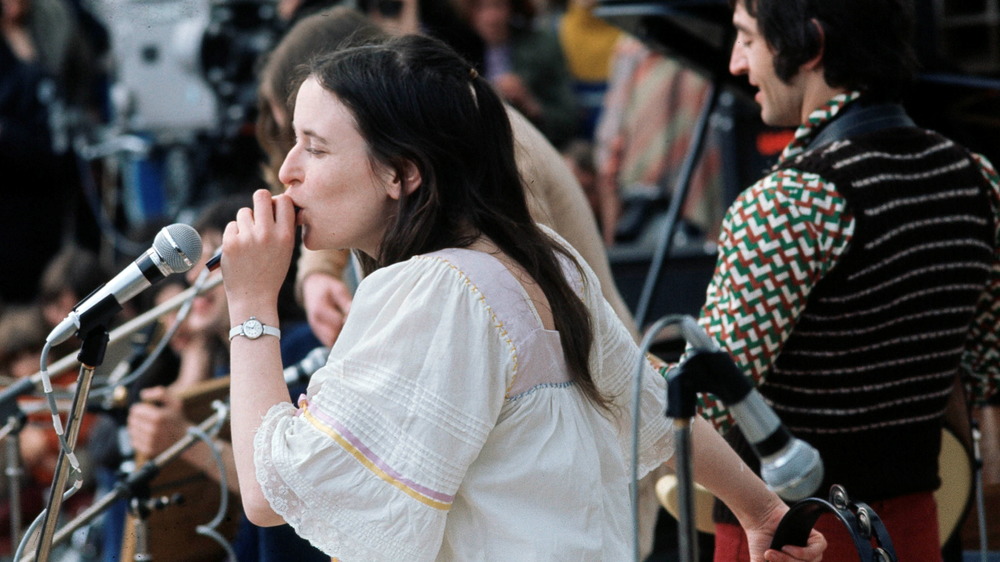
(866, 373)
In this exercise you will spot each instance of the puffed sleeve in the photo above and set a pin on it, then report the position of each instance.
(622, 372)
(367, 466)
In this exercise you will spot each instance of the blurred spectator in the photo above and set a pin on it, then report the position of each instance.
(48, 32)
(69, 277)
(437, 18)
(652, 105)
(588, 43)
(526, 65)
(22, 334)
(31, 216)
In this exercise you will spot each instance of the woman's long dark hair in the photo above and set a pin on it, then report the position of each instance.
(416, 101)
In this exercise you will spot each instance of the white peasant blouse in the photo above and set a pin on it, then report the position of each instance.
(445, 426)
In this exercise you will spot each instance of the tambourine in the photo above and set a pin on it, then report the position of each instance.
(860, 520)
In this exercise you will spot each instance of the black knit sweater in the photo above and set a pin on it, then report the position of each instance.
(865, 375)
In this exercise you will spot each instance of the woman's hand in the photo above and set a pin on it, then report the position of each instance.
(759, 510)
(256, 253)
(759, 539)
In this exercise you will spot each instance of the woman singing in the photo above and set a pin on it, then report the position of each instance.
(476, 405)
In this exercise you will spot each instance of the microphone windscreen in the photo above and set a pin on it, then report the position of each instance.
(179, 246)
(796, 473)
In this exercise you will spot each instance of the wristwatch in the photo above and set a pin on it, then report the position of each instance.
(253, 329)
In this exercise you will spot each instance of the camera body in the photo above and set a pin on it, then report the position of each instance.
(184, 67)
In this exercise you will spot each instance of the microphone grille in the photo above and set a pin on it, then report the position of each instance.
(179, 246)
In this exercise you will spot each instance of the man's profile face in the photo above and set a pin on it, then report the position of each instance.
(780, 102)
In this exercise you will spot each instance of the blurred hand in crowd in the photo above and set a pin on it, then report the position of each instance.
(327, 301)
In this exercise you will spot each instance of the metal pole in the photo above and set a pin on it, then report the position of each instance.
(687, 531)
(677, 200)
(14, 471)
(73, 424)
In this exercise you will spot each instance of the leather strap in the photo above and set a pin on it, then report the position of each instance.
(857, 119)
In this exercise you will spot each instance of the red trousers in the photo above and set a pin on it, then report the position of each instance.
(910, 520)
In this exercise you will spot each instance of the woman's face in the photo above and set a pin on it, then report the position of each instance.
(342, 201)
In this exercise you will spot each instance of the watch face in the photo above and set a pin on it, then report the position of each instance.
(253, 329)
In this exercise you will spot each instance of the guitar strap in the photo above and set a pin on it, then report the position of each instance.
(857, 119)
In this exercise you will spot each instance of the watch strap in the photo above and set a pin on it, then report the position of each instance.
(238, 330)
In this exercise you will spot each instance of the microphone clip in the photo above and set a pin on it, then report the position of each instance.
(710, 371)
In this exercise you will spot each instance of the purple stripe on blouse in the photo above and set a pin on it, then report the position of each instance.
(304, 403)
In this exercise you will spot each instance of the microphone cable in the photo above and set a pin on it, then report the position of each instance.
(647, 341)
(210, 529)
(74, 463)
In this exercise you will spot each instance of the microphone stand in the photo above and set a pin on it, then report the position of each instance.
(681, 402)
(14, 470)
(95, 342)
(136, 484)
(680, 407)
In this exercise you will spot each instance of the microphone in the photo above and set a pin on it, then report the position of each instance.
(175, 249)
(300, 372)
(790, 467)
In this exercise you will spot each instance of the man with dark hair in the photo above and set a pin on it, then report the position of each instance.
(860, 276)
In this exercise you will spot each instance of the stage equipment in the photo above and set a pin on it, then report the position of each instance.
(14, 471)
(174, 251)
(185, 67)
(171, 532)
(300, 372)
(125, 330)
(142, 322)
(699, 34)
(790, 467)
(953, 498)
(132, 484)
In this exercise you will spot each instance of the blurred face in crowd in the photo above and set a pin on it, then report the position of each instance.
(343, 199)
(25, 363)
(183, 334)
(780, 102)
(491, 20)
(14, 11)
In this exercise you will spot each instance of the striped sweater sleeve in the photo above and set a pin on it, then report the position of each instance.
(981, 361)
